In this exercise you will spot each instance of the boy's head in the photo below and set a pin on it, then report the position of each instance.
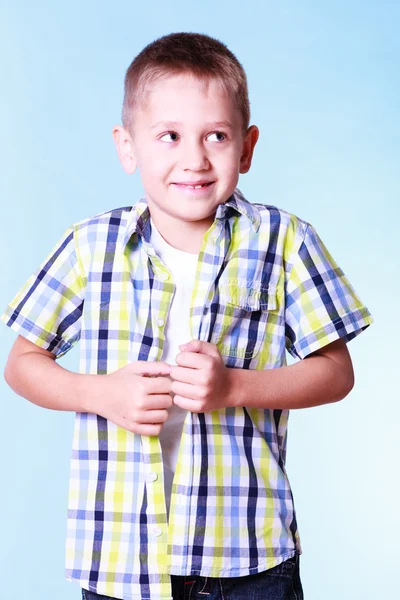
(190, 53)
(186, 123)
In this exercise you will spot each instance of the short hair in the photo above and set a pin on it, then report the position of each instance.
(193, 53)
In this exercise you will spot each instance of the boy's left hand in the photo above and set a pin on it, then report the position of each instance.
(202, 382)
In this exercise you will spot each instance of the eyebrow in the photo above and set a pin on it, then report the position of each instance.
(173, 124)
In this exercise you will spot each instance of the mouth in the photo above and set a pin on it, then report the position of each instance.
(195, 185)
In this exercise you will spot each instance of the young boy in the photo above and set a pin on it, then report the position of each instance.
(184, 305)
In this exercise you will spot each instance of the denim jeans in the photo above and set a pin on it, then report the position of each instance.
(279, 583)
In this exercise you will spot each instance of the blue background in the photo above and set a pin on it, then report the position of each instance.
(324, 88)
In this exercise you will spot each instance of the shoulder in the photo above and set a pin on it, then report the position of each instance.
(101, 228)
(93, 236)
(115, 217)
(270, 213)
(286, 228)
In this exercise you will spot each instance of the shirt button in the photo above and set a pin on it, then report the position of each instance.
(157, 531)
(164, 276)
(152, 477)
(160, 322)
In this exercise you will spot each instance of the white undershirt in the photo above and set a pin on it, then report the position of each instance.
(183, 268)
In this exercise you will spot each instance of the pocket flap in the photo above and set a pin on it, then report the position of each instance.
(249, 295)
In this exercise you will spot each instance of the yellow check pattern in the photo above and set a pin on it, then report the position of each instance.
(265, 284)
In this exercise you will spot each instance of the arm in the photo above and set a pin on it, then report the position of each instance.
(318, 301)
(33, 373)
(48, 311)
(203, 383)
(322, 377)
(126, 397)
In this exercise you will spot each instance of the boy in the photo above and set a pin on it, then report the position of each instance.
(184, 305)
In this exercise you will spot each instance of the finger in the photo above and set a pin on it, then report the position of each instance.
(151, 368)
(193, 360)
(158, 401)
(154, 416)
(186, 375)
(201, 347)
(149, 430)
(188, 404)
(158, 385)
(186, 390)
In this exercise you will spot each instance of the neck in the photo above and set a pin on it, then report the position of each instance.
(183, 235)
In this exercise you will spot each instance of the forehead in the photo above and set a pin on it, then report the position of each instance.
(184, 96)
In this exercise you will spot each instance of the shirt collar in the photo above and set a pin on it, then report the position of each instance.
(139, 216)
(239, 203)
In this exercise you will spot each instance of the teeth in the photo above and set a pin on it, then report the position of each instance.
(196, 187)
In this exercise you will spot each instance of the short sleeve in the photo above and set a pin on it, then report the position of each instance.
(48, 309)
(321, 306)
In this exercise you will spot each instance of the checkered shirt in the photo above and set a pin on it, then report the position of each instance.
(265, 283)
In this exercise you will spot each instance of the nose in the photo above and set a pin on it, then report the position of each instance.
(194, 157)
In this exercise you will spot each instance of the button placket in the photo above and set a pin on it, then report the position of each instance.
(161, 274)
(159, 268)
(215, 244)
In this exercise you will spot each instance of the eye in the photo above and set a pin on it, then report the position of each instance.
(173, 137)
(218, 136)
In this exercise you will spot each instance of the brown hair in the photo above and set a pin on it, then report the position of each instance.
(194, 53)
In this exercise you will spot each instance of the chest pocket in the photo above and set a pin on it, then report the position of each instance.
(244, 313)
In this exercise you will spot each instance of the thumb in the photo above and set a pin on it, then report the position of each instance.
(200, 347)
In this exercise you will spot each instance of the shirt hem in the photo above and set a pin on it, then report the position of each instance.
(353, 324)
(16, 321)
(218, 573)
(243, 572)
(89, 588)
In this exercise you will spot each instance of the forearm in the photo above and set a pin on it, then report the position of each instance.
(39, 379)
(311, 382)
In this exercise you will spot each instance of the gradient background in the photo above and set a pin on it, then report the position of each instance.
(324, 88)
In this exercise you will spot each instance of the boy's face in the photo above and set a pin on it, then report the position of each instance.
(186, 133)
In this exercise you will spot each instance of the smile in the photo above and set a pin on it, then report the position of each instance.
(194, 186)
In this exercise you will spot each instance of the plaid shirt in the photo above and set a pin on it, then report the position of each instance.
(265, 283)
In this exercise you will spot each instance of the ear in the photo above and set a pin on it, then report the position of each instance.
(249, 142)
(124, 145)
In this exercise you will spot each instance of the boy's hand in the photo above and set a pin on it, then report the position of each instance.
(202, 382)
(135, 397)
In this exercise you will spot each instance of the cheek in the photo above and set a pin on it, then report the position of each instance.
(228, 164)
(229, 158)
(153, 167)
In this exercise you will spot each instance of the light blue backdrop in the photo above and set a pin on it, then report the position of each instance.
(324, 85)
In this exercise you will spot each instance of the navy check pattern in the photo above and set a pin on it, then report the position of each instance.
(265, 285)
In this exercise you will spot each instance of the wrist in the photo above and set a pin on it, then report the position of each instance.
(87, 389)
(235, 387)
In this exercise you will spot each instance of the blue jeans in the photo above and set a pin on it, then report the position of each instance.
(280, 583)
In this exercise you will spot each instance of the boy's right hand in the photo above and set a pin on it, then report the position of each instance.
(135, 397)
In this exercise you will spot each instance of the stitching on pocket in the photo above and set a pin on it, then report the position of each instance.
(248, 295)
(191, 588)
(201, 591)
